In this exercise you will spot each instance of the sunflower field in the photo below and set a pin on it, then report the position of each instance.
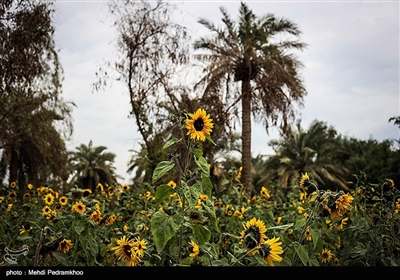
(182, 223)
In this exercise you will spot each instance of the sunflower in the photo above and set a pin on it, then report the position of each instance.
(79, 207)
(46, 210)
(203, 197)
(65, 245)
(125, 187)
(25, 228)
(172, 184)
(239, 173)
(271, 250)
(307, 234)
(253, 234)
(48, 199)
(326, 255)
(139, 246)
(304, 178)
(264, 192)
(95, 216)
(100, 187)
(125, 250)
(63, 200)
(195, 251)
(27, 195)
(86, 192)
(342, 223)
(342, 204)
(199, 125)
(13, 185)
(30, 186)
(12, 195)
(110, 219)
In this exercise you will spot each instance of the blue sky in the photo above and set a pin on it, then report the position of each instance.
(351, 68)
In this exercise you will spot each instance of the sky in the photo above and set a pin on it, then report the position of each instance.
(351, 68)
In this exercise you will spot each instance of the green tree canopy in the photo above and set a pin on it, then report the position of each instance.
(34, 119)
(90, 165)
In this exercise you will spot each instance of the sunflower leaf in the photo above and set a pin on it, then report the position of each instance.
(301, 252)
(164, 227)
(208, 137)
(202, 163)
(201, 234)
(171, 142)
(207, 184)
(192, 193)
(162, 168)
(210, 210)
(163, 192)
(59, 256)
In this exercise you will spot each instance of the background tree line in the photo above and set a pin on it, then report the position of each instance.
(241, 74)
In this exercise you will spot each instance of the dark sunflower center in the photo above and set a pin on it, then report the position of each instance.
(127, 250)
(198, 124)
(63, 244)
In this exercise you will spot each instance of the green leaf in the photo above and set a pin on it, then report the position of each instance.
(171, 142)
(201, 234)
(313, 261)
(300, 222)
(202, 163)
(208, 137)
(207, 184)
(192, 193)
(163, 192)
(198, 153)
(59, 256)
(78, 226)
(24, 236)
(162, 168)
(315, 236)
(225, 182)
(90, 247)
(210, 210)
(282, 227)
(302, 252)
(164, 227)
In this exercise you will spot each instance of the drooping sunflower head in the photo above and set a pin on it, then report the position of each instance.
(271, 251)
(65, 245)
(25, 228)
(253, 234)
(199, 125)
(96, 216)
(195, 251)
(86, 192)
(126, 252)
(342, 204)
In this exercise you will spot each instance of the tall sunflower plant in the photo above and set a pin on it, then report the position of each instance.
(193, 189)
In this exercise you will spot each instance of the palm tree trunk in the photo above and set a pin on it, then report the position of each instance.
(246, 136)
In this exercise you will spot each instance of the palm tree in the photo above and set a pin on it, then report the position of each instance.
(317, 151)
(250, 51)
(90, 165)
